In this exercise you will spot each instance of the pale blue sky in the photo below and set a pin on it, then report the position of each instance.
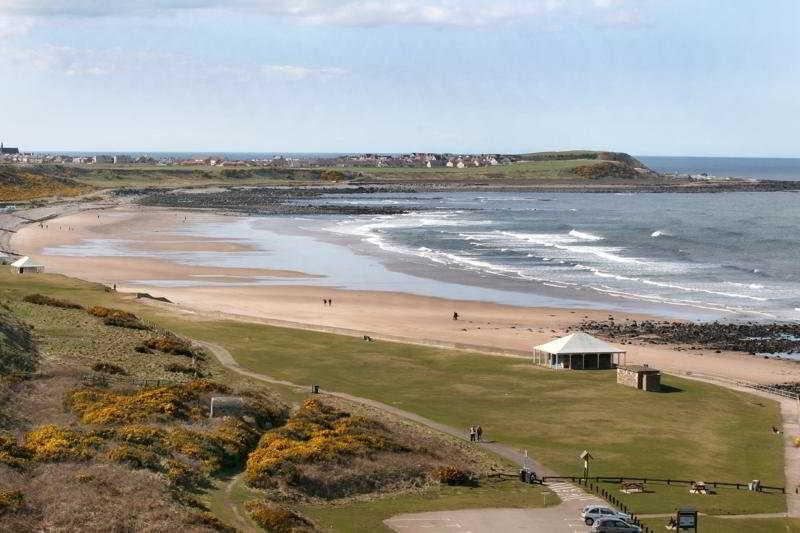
(654, 77)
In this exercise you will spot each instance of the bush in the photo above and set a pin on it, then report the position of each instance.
(108, 368)
(134, 456)
(209, 520)
(139, 434)
(451, 475)
(11, 501)
(53, 443)
(316, 433)
(128, 323)
(13, 455)
(40, 299)
(170, 345)
(96, 406)
(180, 369)
(796, 442)
(276, 519)
(180, 474)
(143, 349)
(105, 312)
(227, 445)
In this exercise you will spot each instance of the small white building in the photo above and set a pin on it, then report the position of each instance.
(578, 351)
(26, 264)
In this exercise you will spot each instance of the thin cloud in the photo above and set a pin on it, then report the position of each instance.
(111, 62)
(357, 13)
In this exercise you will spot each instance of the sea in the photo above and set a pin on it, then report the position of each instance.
(706, 256)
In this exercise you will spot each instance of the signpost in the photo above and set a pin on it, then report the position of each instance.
(586, 456)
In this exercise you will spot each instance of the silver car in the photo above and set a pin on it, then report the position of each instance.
(614, 525)
(591, 513)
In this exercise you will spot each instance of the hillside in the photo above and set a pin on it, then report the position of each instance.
(29, 183)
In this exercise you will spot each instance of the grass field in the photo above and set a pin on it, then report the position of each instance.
(710, 524)
(116, 176)
(369, 514)
(696, 431)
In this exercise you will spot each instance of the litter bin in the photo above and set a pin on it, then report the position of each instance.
(527, 476)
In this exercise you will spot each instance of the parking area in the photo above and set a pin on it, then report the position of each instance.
(560, 519)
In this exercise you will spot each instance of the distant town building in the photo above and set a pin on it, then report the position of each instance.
(7, 150)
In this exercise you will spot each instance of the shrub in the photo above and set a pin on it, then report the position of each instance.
(316, 433)
(96, 406)
(796, 442)
(143, 349)
(53, 443)
(180, 369)
(13, 455)
(133, 456)
(129, 323)
(170, 345)
(225, 446)
(40, 299)
(11, 501)
(451, 475)
(84, 478)
(108, 368)
(180, 474)
(105, 312)
(209, 520)
(139, 434)
(276, 519)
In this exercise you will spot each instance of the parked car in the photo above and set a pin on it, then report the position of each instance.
(591, 513)
(614, 525)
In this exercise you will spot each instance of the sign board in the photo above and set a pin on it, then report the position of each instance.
(687, 518)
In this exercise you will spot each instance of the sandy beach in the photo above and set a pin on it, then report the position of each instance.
(393, 315)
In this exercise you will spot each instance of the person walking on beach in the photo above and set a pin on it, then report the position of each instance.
(478, 433)
(472, 433)
(324, 301)
(455, 316)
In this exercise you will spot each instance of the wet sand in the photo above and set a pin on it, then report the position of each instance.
(394, 315)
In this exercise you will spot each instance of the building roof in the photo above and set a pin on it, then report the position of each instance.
(643, 369)
(25, 262)
(578, 343)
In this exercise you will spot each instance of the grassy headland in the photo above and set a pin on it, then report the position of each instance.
(18, 184)
(694, 431)
(60, 434)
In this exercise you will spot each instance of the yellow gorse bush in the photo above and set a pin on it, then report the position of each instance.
(275, 518)
(104, 312)
(97, 406)
(134, 456)
(227, 444)
(316, 433)
(53, 443)
(140, 434)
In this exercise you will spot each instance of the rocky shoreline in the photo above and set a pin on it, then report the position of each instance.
(751, 338)
(266, 200)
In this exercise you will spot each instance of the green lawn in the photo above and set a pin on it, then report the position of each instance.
(369, 515)
(710, 524)
(698, 431)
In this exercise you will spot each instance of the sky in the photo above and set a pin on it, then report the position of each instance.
(648, 77)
